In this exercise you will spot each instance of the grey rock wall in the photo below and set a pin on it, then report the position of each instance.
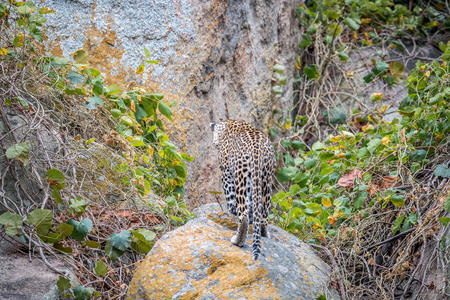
(215, 61)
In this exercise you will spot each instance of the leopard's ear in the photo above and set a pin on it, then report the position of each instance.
(212, 125)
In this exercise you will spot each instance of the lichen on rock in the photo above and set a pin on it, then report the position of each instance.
(197, 261)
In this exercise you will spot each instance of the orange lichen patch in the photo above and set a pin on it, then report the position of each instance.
(105, 55)
(55, 49)
(227, 269)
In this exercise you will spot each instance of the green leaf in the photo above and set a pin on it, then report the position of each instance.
(114, 89)
(20, 151)
(41, 219)
(317, 146)
(397, 224)
(171, 200)
(92, 244)
(310, 163)
(181, 171)
(46, 10)
(373, 145)
(186, 156)
(26, 9)
(81, 57)
(38, 19)
(75, 91)
(116, 112)
(444, 220)
(396, 69)
(442, 171)
(298, 145)
(343, 56)
(120, 241)
(91, 72)
(80, 229)
(82, 293)
(176, 219)
(165, 110)
(136, 141)
(369, 77)
(335, 115)
(59, 61)
(142, 240)
(98, 88)
(63, 230)
(61, 248)
(380, 67)
(93, 102)
(362, 152)
(12, 222)
(75, 78)
(285, 174)
(411, 219)
(418, 155)
(398, 200)
(100, 268)
(358, 202)
(306, 41)
(126, 120)
(447, 204)
(56, 178)
(146, 53)
(311, 72)
(78, 205)
(112, 252)
(63, 284)
(352, 23)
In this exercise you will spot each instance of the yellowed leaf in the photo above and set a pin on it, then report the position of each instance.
(326, 202)
(385, 140)
(140, 69)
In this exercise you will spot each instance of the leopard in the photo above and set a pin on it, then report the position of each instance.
(246, 160)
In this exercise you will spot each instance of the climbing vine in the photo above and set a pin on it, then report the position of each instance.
(84, 141)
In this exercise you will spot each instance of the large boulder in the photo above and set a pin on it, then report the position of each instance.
(197, 261)
(215, 59)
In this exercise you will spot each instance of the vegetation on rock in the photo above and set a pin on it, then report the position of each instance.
(374, 192)
(83, 141)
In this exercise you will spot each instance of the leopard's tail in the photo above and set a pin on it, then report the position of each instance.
(257, 202)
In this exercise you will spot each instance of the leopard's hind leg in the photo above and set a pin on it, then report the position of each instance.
(240, 183)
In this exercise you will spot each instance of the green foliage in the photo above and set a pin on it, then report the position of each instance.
(332, 181)
(153, 163)
(82, 293)
(142, 240)
(41, 219)
(20, 151)
(12, 222)
(100, 268)
(332, 20)
(80, 228)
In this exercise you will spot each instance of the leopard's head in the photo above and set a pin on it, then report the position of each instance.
(217, 129)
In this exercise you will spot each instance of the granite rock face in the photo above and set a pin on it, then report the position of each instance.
(24, 279)
(197, 261)
(215, 61)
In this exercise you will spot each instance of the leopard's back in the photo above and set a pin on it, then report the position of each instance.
(247, 163)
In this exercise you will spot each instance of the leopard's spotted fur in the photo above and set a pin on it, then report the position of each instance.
(246, 161)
